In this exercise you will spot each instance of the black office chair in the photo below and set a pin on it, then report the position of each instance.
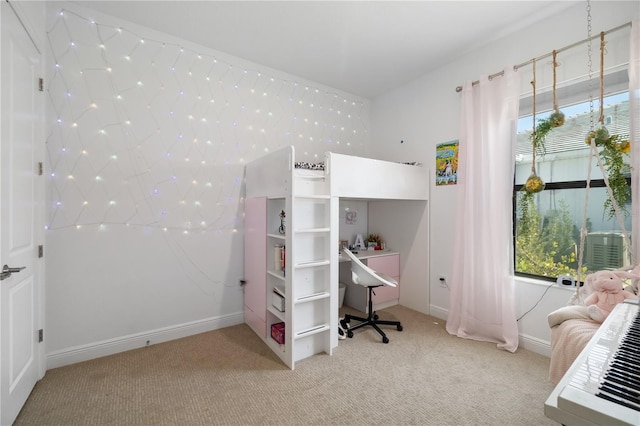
(363, 275)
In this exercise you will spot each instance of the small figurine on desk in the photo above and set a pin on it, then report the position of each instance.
(281, 229)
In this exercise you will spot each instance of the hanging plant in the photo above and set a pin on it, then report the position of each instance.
(540, 133)
(613, 153)
(555, 119)
(613, 156)
(534, 183)
(541, 129)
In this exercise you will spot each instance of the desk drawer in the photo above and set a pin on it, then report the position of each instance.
(386, 293)
(389, 265)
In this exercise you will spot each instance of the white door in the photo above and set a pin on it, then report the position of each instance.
(21, 359)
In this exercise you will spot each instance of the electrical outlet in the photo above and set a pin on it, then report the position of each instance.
(443, 280)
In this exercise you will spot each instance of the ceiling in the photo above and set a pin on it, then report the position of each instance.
(361, 47)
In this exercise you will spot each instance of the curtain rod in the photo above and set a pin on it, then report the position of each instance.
(562, 49)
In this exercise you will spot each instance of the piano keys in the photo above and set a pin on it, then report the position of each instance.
(602, 386)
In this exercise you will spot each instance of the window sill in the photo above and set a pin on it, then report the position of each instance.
(543, 283)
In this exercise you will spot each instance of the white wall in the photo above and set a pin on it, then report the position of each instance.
(156, 251)
(147, 140)
(409, 122)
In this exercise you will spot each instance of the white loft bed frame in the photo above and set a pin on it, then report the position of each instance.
(344, 176)
(348, 177)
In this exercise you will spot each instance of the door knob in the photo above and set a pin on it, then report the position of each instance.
(7, 271)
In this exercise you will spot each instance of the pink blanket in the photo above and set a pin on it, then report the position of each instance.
(567, 341)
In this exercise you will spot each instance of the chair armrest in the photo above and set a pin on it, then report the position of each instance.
(391, 282)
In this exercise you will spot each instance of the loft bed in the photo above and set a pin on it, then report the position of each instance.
(307, 276)
(345, 176)
(366, 178)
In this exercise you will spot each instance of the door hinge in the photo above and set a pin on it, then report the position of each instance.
(40, 251)
(41, 84)
(40, 336)
(40, 168)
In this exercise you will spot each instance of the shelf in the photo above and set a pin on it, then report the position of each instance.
(277, 275)
(312, 230)
(311, 331)
(276, 313)
(313, 197)
(277, 348)
(311, 264)
(277, 236)
(312, 297)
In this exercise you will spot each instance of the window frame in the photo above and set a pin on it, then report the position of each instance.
(549, 186)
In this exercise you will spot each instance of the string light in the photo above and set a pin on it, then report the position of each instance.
(238, 112)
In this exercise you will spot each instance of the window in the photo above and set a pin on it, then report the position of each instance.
(547, 225)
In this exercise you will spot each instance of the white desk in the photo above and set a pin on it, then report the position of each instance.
(367, 254)
(384, 261)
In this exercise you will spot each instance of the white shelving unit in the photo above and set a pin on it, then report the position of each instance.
(310, 314)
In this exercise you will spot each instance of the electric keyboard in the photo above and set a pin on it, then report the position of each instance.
(602, 386)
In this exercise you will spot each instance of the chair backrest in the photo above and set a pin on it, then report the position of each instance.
(365, 276)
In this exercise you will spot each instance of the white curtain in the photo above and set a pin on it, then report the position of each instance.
(634, 126)
(482, 305)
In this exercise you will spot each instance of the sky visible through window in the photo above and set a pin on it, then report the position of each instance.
(525, 124)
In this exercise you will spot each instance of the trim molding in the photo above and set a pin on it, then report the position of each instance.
(438, 312)
(534, 344)
(94, 350)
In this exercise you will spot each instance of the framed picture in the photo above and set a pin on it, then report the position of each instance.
(344, 244)
(447, 163)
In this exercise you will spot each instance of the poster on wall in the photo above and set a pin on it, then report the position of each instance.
(447, 163)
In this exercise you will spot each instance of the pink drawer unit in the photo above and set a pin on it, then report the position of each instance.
(389, 265)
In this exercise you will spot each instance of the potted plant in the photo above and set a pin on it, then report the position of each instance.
(373, 241)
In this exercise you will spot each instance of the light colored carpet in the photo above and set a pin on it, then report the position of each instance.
(424, 376)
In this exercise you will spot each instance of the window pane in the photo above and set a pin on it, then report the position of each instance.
(566, 155)
(550, 246)
(548, 223)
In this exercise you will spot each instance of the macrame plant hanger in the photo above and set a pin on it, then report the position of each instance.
(557, 117)
(534, 183)
(597, 137)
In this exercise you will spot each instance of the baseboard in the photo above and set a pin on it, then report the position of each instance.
(134, 341)
(525, 341)
(438, 312)
(384, 305)
(534, 344)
